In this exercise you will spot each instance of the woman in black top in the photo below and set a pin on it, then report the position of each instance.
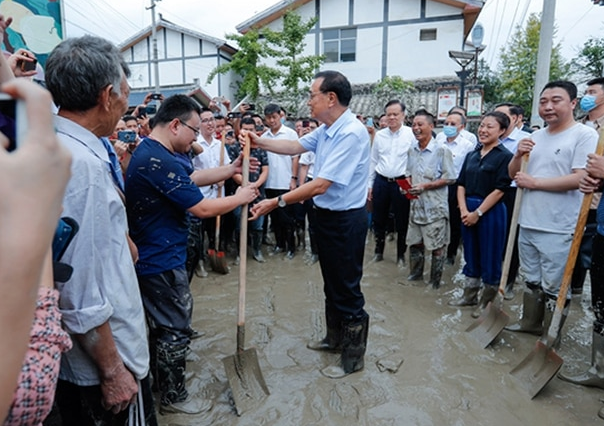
(482, 180)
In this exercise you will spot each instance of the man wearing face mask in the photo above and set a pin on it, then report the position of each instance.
(593, 103)
(459, 147)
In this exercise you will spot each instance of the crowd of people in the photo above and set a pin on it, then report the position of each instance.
(140, 192)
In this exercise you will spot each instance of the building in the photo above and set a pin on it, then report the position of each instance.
(185, 58)
(368, 40)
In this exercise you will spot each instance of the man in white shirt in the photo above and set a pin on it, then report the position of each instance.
(278, 183)
(463, 132)
(388, 163)
(459, 147)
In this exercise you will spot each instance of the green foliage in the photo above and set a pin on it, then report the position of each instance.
(589, 62)
(518, 64)
(392, 87)
(247, 63)
(491, 85)
(295, 71)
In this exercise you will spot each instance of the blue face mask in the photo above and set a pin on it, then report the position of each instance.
(450, 131)
(588, 102)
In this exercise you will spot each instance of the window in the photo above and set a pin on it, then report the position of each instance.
(427, 34)
(340, 45)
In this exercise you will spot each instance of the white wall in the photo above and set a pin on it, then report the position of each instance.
(408, 9)
(334, 13)
(369, 11)
(440, 9)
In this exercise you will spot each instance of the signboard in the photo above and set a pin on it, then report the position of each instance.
(447, 99)
(37, 26)
(474, 102)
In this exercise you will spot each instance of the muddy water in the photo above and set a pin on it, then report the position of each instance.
(421, 368)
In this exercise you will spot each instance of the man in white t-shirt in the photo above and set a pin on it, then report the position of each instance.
(550, 204)
(278, 183)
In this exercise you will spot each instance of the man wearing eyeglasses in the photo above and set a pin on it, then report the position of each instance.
(160, 190)
(341, 171)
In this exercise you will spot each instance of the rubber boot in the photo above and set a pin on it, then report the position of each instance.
(416, 264)
(171, 365)
(257, 246)
(594, 376)
(354, 345)
(550, 307)
(436, 270)
(533, 307)
(470, 293)
(488, 295)
(332, 342)
(379, 249)
(401, 248)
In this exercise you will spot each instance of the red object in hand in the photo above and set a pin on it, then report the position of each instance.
(406, 186)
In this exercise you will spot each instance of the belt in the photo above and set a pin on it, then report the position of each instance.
(394, 179)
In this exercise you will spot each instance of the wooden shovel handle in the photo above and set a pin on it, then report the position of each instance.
(509, 249)
(243, 250)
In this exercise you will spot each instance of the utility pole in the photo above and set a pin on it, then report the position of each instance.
(544, 56)
(154, 44)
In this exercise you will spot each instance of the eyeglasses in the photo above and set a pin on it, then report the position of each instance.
(196, 131)
(207, 120)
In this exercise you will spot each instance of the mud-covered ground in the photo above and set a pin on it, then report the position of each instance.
(445, 377)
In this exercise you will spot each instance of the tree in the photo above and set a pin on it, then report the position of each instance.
(589, 62)
(491, 85)
(287, 47)
(389, 88)
(247, 63)
(518, 64)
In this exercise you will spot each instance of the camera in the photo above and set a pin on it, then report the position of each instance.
(251, 107)
(27, 65)
(234, 115)
(230, 134)
(12, 120)
(305, 123)
(127, 136)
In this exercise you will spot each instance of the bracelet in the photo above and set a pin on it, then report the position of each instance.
(295, 177)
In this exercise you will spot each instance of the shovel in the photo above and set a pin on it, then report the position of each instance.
(242, 369)
(217, 260)
(542, 364)
(492, 320)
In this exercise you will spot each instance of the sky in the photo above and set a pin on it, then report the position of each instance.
(117, 20)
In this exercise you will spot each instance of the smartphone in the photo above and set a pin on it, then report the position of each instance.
(260, 128)
(251, 107)
(127, 136)
(230, 134)
(151, 109)
(28, 65)
(370, 122)
(12, 120)
(305, 123)
(234, 115)
(156, 96)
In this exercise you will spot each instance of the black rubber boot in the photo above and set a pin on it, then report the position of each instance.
(354, 345)
(488, 295)
(533, 307)
(550, 307)
(257, 246)
(401, 248)
(594, 376)
(332, 342)
(436, 269)
(171, 365)
(470, 293)
(416, 263)
(378, 255)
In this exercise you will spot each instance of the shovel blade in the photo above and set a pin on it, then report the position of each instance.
(538, 368)
(245, 377)
(220, 263)
(488, 325)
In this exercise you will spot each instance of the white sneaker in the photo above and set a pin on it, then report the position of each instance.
(200, 271)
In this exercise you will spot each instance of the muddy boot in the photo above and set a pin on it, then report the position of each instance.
(533, 306)
(436, 270)
(171, 367)
(594, 376)
(257, 246)
(416, 264)
(401, 248)
(379, 250)
(470, 293)
(550, 307)
(488, 295)
(332, 342)
(354, 344)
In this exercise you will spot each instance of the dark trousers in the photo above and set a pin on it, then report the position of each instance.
(311, 214)
(283, 222)
(508, 199)
(454, 222)
(341, 244)
(484, 243)
(81, 406)
(194, 246)
(596, 273)
(386, 197)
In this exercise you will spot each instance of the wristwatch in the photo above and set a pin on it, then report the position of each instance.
(281, 202)
(479, 213)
